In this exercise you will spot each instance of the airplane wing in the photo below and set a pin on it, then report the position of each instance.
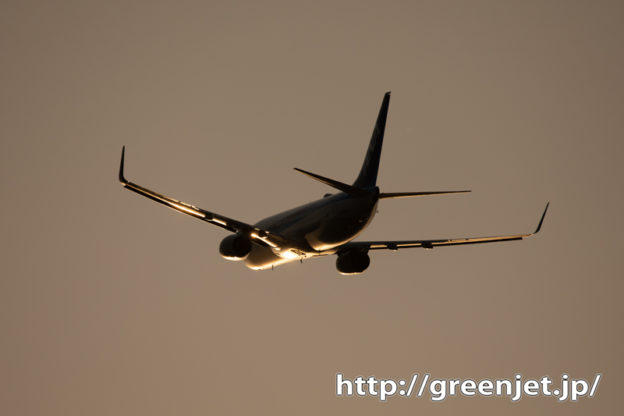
(229, 224)
(429, 244)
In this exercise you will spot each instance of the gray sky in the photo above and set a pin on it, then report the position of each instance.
(112, 304)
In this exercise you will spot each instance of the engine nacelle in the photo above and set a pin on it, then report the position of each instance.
(235, 247)
(352, 262)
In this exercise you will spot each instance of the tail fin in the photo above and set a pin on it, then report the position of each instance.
(367, 178)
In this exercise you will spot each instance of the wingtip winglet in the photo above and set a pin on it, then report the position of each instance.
(122, 179)
(539, 226)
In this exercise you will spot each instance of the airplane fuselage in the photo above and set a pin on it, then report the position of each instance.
(317, 226)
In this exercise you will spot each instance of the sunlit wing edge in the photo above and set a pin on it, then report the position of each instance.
(229, 224)
(429, 244)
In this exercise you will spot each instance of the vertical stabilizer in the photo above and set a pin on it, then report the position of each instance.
(367, 178)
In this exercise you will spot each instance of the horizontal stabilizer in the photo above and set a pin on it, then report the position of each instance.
(349, 189)
(410, 194)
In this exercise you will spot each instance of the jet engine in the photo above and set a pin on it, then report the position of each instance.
(235, 247)
(352, 262)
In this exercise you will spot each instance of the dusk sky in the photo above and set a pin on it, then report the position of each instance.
(111, 304)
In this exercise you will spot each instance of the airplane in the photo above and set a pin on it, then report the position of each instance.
(320, 228)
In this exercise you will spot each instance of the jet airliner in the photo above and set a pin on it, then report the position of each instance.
(323, 227)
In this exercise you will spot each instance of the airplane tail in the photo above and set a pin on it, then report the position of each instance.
(367, 179)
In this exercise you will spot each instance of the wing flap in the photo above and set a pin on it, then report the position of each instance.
(429, 244)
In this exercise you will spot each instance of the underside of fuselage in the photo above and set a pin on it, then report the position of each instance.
(263, 257)
(313, 228)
